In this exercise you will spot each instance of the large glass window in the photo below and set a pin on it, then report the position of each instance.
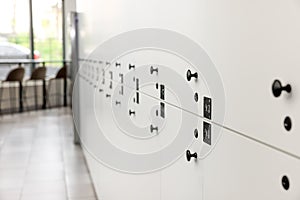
(14, 32)
(15, 36)
(47, 23)
(14, 23)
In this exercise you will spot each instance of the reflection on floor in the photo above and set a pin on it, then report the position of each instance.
(38, 159)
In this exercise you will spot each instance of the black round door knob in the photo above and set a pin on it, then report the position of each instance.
(277, 88)
(190, 75)
(190, 155)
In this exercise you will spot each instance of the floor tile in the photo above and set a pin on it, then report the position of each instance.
(38, 159)
(10, 194)
(81, 191)
(44, 187)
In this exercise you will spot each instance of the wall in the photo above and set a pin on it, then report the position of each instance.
(241, 48)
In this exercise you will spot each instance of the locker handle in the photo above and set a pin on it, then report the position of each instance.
(190, 75)
(152, 69)
(153, 128)
(190, 155)
(277, 88)
(131, 112)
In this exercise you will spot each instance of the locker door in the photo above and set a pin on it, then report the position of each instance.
(118, 155)
(184, 178)
(239, 168)
(252, 46)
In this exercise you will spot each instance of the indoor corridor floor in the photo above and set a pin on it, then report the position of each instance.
(38, 159)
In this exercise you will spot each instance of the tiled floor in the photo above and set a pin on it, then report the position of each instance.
(38, 159)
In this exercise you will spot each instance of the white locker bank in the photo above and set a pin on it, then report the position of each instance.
(195, 100)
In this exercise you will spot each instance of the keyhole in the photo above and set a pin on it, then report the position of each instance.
(285, 182)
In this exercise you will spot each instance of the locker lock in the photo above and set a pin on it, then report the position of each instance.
(196, 96)
(189, 75)
(277, 88)
(287, 123)
(285, 182)
(190, 155)
(196, 133)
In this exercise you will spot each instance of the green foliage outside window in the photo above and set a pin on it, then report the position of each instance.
(50, 49)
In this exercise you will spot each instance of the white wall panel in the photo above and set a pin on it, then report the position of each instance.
(250, 43)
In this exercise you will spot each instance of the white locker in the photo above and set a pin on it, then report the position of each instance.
(154, 74)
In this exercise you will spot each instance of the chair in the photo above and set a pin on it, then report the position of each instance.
(14, 76)
(38, 75)
(60, 76)
(62, 73)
